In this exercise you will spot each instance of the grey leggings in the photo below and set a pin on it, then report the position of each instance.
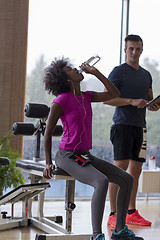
(98, 174)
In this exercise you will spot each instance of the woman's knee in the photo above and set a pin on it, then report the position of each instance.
(125, 181)
(129, 179)
(103, 182)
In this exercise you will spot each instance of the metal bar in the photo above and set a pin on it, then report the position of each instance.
(8, 224)
(41, 201)
(124, 28)
(44, 227)
(52, 224)
(65, 237)
(69, 199)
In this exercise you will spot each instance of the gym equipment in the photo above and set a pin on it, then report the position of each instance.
(35, 170)
(23, 193)
(4, 161)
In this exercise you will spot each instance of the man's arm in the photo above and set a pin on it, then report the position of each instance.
(150, 94)
(155, 107)
(139, 103)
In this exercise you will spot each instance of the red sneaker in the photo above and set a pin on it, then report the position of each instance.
(112, 220)
(137, 219)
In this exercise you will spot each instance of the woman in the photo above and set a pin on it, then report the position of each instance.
(73, 107)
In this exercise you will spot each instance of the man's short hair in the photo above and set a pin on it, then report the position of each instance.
(133, 38)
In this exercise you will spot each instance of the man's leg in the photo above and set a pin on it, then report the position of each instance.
(133, 217)
(113, 188)
(135, 169)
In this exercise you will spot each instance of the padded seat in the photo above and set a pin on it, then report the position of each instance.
(39, 166)
(4, 161)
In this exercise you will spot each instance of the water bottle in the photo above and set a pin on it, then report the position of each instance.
(152, 163)
(91, 61)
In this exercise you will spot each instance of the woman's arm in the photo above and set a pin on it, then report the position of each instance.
(111, 92)
(54, 115)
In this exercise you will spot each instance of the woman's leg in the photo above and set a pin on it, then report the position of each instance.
(91, 176)
(125, 182)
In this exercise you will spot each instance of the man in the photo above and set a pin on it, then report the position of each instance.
(129, 125)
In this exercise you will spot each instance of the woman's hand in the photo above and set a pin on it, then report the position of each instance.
(88, 69)
(47, 172)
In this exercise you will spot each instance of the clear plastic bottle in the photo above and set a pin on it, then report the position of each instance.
(91, 61)
(152, 163)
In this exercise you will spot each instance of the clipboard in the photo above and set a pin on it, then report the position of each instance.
(154, 101)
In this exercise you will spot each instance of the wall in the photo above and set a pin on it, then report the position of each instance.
(13, 54)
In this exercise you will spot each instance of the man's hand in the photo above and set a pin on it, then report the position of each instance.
(154, 107)
(139, 103)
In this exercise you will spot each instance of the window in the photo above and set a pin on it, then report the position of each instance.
(79, 29)
(76, 30)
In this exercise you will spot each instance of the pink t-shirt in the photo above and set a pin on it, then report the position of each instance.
(76, 120)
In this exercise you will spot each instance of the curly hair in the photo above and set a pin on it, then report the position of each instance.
(55, 78)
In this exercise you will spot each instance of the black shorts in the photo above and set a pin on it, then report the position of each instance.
(129, 142)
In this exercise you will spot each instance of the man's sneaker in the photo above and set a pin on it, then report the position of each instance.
(112, 220)
(125, 234)
(98, 237)
(137, 219)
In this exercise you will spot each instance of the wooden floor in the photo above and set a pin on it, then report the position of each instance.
(81, 219)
